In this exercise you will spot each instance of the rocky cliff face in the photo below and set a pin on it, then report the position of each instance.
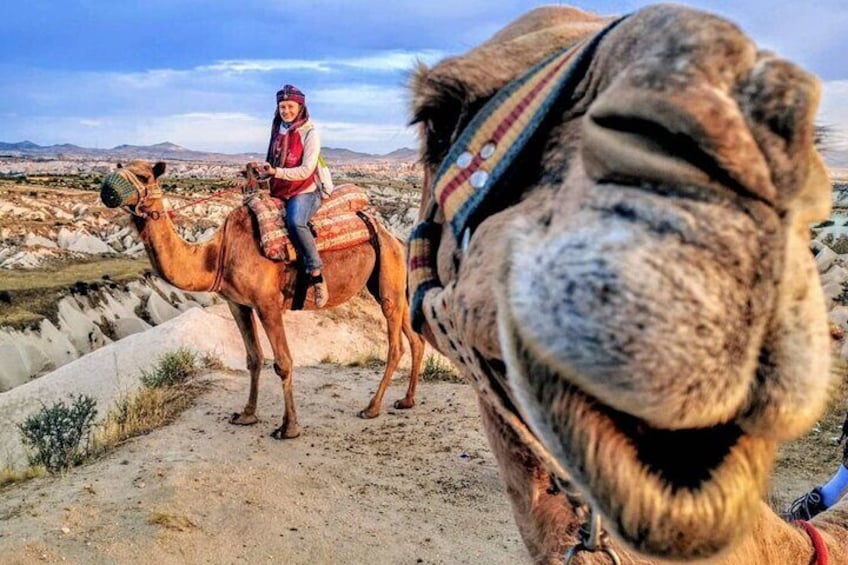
(48, 222)
(89, 318)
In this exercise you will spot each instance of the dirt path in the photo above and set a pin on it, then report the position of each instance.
(409, 487)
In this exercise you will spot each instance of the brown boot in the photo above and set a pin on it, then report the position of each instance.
(319, 291)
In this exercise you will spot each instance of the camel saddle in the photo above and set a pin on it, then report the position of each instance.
(336, 225)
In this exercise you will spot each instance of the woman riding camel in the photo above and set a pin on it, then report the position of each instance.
(292, 161)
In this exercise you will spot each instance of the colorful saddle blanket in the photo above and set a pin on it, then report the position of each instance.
(336, 223)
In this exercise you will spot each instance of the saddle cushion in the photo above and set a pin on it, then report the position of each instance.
(336, 224)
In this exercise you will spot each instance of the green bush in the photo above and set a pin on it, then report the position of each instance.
(437, 368)
(59, 435)
(173, 368)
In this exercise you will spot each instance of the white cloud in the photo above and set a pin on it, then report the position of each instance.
(380, 98)
(223, 106)
(265, 65)
(394, 60)
(376, 138)
(385, 61)
(205, 131)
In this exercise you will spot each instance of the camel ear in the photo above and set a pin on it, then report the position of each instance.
(120, 166)
(158, 169)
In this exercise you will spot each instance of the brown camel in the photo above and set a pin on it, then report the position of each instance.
(231, 264)
(632, 293)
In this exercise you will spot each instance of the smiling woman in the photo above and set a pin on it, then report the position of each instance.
(292, 165)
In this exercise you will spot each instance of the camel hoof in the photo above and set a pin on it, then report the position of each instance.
(243, 419)
(404, 404)
(284, 432)
(368, 414)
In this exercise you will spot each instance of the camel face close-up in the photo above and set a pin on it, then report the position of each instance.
(635, 285)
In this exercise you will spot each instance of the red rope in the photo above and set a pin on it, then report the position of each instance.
(819, 547)
(173, 211)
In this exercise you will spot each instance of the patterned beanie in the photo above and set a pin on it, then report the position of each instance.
(289, 92)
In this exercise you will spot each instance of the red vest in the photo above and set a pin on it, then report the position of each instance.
(288, 153)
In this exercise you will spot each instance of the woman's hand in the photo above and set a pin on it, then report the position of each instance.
(267, 171)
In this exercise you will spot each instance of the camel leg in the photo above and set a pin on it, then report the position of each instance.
(243, 315)
(416, 344)
(546, 521)
(272, 321)
(394, 321)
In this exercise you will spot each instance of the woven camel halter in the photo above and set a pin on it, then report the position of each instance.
(490, 144)
(469, 175)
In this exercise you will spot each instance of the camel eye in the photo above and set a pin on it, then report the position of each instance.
(142, 178)
(437, 137)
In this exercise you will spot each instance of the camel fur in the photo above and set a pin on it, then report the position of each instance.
(639, 310)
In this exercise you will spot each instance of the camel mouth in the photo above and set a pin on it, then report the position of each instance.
(678, 494)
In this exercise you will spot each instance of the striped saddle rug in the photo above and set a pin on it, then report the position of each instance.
(336, 224)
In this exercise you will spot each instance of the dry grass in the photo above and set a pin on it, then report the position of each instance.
(171, 521)
(144, 411)
(330, 359)
(10, 476)
(211, 361)
(370, 360)
(119, 269)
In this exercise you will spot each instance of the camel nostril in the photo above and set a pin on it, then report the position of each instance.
(696, 136)
(650, 136)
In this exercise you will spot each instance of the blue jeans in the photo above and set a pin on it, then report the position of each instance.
(299, 209)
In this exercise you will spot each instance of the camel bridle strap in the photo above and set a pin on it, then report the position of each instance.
(820, 552)
(593, 538)
(152, 191)
(483, 153)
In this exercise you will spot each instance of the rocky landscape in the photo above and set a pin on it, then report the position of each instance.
(57, 238)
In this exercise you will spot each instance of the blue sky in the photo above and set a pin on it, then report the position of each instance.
(203, 74)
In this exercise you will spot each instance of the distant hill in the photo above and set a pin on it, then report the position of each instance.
(402, 154)
(168, 151)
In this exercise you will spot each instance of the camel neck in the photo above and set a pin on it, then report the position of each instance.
(187, 266)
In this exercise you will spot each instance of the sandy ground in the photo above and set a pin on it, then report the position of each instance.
(417, 486)
(345, 334)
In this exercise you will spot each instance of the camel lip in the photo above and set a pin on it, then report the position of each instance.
(704, 480)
